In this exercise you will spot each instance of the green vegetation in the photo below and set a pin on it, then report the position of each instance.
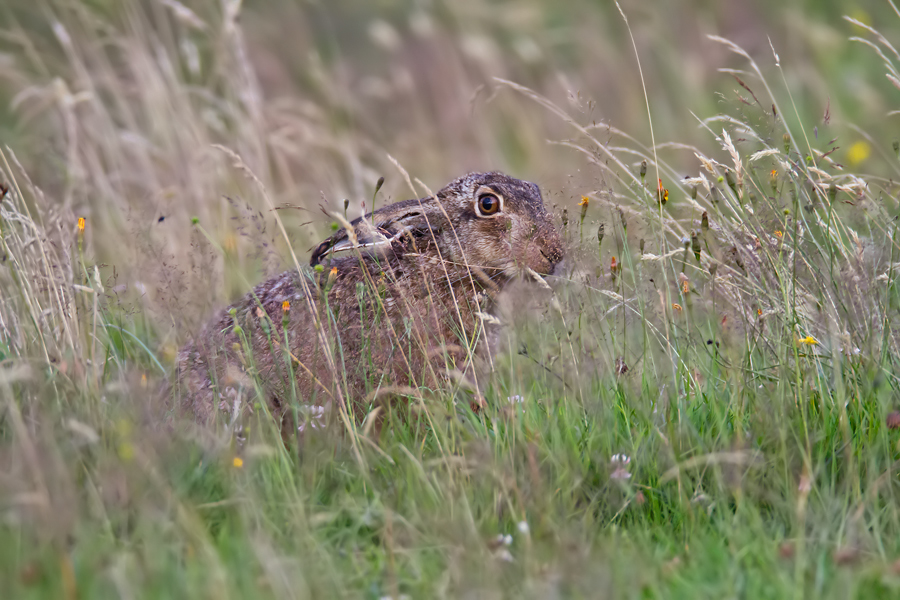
(704, 405)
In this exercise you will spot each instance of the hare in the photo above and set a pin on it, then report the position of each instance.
(395, 300)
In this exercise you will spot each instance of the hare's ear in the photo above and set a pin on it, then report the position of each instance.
(364, 236)
(385, 227)
(326, 247)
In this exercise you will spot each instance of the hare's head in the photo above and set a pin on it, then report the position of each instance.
(501, 224)
(486, 220)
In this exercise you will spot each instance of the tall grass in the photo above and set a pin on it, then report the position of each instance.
(704, 404)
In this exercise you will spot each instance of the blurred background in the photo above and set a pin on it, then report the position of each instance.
(133, 113)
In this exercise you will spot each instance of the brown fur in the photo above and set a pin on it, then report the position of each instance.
(397, 309)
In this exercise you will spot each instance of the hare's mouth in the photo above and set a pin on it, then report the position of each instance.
(552, 261)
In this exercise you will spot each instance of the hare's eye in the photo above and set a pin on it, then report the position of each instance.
(488, 204)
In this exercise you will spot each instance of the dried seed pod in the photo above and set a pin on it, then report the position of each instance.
(729, 179)
(695, 245)
(378, 185)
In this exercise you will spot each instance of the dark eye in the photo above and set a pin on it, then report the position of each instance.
(488, 204)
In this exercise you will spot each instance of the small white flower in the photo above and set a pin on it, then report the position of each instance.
(315, 415)
(619, 463)
(517, 400)
(619, 460)
(523, 527)
(504, 555)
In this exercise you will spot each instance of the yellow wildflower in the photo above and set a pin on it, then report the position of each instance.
(332, 277)
(584, 206)
(285, 306)
(229, 244)
(81, 224)
(126, 451)
(808, 340)
(238, 462)
(662, 194)
(858, 152)
(676, 307)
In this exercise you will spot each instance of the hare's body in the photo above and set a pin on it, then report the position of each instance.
(402, 304)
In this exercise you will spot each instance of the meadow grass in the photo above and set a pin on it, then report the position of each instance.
(702, 405)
